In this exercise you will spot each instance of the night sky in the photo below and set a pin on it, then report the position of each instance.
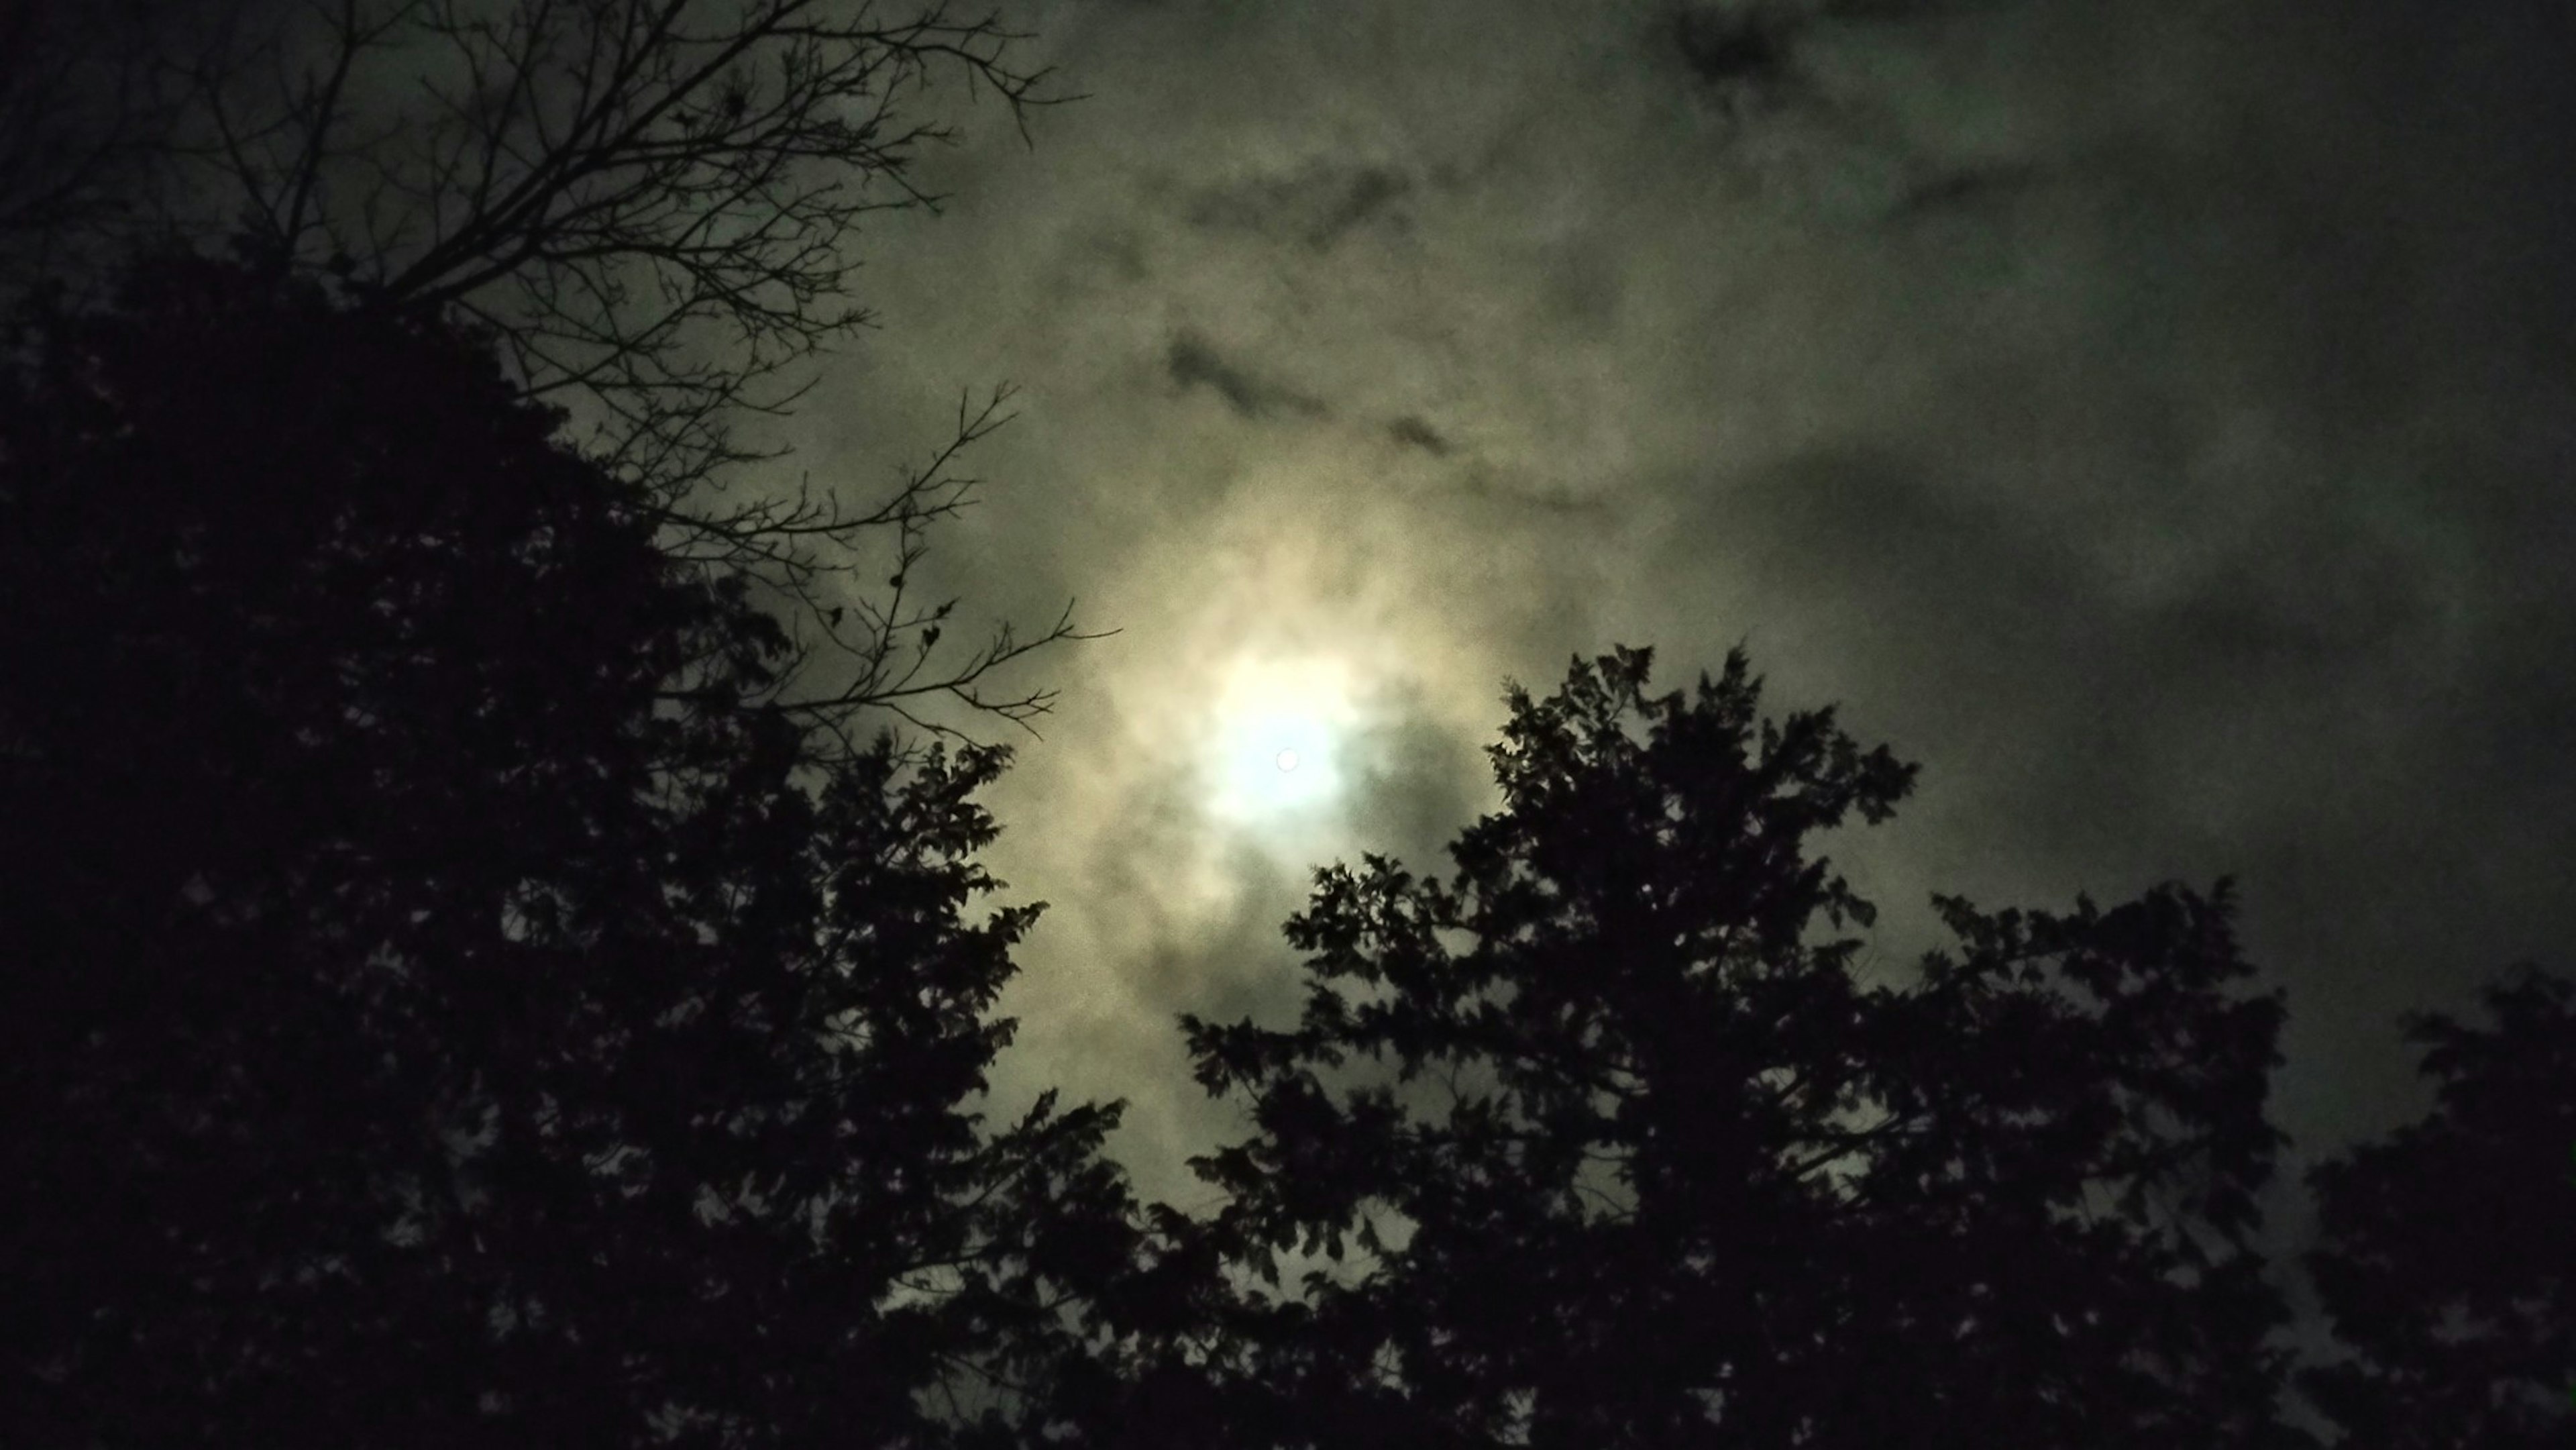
(2155, 418)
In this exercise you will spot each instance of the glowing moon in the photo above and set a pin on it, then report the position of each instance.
(1276, 738)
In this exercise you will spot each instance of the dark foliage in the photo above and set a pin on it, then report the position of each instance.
(1599, 1143)
(649, 208)
(2447, 1254)
(420, 1024)
(651, 202)
(446, 999)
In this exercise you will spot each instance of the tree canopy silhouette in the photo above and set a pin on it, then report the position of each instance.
(652, 208)
(1599, 1143)
(2447, 1250)
(612, 187)
(424, 1024)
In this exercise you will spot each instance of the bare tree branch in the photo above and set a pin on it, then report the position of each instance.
(654, 199)
(84, 111)
(651, 207)
(883, 648)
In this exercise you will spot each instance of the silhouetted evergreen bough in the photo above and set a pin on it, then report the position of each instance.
(1613, 1151)
(421, 1029)
(2447, 1250)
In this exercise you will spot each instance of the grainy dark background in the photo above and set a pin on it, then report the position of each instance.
(2157, 418)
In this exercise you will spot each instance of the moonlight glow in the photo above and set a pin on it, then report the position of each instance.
(1278, 738)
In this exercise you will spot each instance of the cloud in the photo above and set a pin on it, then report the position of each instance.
(1412, 432)
(1314, 207)
(1193, 363)
(1734, 46)
(1976, 187)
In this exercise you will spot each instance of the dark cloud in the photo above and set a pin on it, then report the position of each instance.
(1192, 363)
(1315, 207)
(1968, 189)
(1734, 46)
(1484, 485)
(1412, 432)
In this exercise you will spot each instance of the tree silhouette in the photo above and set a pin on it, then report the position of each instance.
(652, 207)
(609, 186)
(2447, 1252)
(84, 114)
(424, 1021)
(1600, 1144)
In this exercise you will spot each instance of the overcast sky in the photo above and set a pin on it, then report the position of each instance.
(2154, 418)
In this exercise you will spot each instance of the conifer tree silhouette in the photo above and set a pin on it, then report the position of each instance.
(2447, 1249)
(1598, 1145)
(420, 1027)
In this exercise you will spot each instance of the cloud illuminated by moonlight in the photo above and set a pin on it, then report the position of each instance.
(1278, 739)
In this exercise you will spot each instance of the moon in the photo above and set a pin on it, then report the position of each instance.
(1276, 740)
